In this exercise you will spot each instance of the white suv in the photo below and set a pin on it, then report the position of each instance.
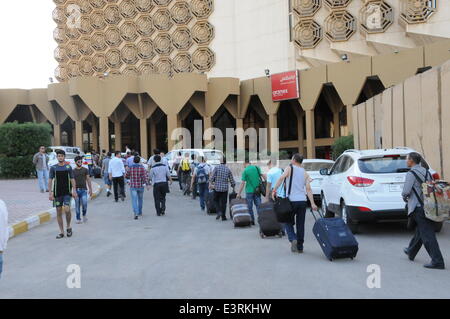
(366, 186)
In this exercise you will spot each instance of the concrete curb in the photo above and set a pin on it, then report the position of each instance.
(44, 217)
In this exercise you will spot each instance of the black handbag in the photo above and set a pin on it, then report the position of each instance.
(283, 206)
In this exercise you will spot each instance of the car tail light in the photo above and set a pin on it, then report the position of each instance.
(360, 181)
(364, 209)
(436, 176)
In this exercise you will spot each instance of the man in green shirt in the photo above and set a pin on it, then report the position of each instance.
(251, 180)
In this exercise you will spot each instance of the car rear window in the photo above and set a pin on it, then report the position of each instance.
(383, 165)
(212, 155)
(312, 167)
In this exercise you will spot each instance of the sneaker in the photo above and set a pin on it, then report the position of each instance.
(85, 219)
(69, 232)
(294, 247)
(79, 222)
(108, 194)
(60, 236)
(136, 217)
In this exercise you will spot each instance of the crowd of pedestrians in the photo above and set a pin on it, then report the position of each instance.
(212, 185)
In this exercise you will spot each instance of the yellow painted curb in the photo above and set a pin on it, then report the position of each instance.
(44, 217)
(20, 228)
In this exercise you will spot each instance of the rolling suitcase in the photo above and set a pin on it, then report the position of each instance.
(239, 212)
(334, 237)
(97, 171)
(268, 222)
(210, 205)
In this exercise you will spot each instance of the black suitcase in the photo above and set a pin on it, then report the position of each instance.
(239, 212)
(231, 197)
(268, 222)
(97, 172)
(210, 204)
(334, 237)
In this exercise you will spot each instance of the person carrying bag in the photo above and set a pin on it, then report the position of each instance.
(283, 206)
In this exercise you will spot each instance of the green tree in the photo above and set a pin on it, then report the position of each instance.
(342, 144)
(18, 144)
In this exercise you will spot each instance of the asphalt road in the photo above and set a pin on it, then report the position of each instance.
(187, 254)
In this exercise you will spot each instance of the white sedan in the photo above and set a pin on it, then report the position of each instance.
(313, 167)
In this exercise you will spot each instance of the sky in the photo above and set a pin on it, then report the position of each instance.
(27, 45)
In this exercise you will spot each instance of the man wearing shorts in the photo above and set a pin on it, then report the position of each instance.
(62, 186)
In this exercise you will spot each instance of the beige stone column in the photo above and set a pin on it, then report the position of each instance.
(350, 119)
(144, 138)
(273, 141)
(301, 137)
(172, 125)
(153, 141)
(207, 124)
(95, 136)
(310, 134)
(240, 134)
(79, 134)
(104, 134)
(118, 135)
(337, 128)
(57, 134)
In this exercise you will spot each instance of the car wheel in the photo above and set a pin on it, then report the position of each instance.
(344, 214)
(328, 213)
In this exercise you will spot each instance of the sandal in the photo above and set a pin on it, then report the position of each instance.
(60, 236)
(69, 232)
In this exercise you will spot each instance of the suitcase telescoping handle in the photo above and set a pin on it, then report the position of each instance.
(319, 212)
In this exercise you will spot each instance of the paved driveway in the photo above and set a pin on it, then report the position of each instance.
(190, 255)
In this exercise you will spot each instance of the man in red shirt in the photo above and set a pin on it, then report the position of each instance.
(137, 174)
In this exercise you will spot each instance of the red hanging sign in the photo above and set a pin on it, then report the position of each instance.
(285, 86)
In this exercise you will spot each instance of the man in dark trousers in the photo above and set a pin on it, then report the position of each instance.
(425, 228)
(220, 180)
(116, 171)
(160, 179)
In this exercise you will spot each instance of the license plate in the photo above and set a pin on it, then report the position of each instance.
(395, 187)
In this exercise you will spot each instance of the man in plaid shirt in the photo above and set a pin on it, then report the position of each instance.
(220, 179)
(137, 174)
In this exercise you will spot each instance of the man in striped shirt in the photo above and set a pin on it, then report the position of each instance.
(137, 174)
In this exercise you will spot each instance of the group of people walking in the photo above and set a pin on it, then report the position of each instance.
(196, 176)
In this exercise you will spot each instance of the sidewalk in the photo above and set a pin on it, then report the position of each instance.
(27, 206)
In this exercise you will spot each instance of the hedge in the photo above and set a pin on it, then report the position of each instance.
(18, 144)
(342, 144)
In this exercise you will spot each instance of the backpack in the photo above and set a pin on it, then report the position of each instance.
(202, 177)
(185, 166)
(436, 203)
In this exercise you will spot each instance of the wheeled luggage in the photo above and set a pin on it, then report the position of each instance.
(268, 222)
(239, 212)
(97, 171)
(210, 205)
(335, 238)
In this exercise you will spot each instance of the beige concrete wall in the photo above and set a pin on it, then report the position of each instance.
(413, 114)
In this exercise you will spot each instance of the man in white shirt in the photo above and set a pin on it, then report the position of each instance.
(4, 233)
(117, 173)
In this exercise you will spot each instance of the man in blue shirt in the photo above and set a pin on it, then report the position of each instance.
(273, 175)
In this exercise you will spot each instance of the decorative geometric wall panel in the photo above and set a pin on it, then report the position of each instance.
(182, 38)
(182, 63)
(306, 8)
(203, 32)
(340, 26)
(203, 59)
(307, 34)
(202, 9)
(337, 4)
(96, 37)
(376, 16)
(417, 11)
